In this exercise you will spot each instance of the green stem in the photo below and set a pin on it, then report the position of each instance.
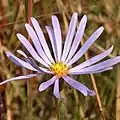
(28, 11)
(29, 100)
(57, 109)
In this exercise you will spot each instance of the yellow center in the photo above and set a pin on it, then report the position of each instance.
(59, 69)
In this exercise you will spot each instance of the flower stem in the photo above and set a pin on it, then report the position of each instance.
(57, 109)
(96, 90)
(28, 9)
(29, 100)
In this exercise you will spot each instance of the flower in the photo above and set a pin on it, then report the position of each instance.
(61, 65)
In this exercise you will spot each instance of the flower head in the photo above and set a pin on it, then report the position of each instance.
(59, 69)
(60, 65)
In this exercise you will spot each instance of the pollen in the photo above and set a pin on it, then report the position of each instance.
(59, 69)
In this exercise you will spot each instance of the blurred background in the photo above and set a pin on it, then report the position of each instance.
(14, 99)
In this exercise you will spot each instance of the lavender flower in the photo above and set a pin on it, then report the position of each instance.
(61, 65)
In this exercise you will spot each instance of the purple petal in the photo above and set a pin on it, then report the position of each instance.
(78, 37)
(69, 36)
(82, 71)
(103, 70)
(56, 89)
(19, 62)
(104, 64)
(86, 46)
(58, 36)
(37, 44)
(41, 38)
(19, 78)
(29, 47)
(33, 64)
(22, 53)
(46, 84)
(80, 87)
(52, 40)
(93, 60)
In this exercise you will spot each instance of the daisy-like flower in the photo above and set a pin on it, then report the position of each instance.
(64, 56)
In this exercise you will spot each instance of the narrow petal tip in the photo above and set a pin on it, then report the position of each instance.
(7, 53)
(75, 14)
(84, 20)
(41, 88)
(112, 47)
(101, 28)
(91, 93)
(32, 18)
(18, 35)
(54, 18)
(27, 25)
(85, 17)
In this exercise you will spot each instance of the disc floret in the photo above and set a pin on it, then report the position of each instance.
(59, 69)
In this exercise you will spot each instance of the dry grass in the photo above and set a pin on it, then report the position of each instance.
(76, 107)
